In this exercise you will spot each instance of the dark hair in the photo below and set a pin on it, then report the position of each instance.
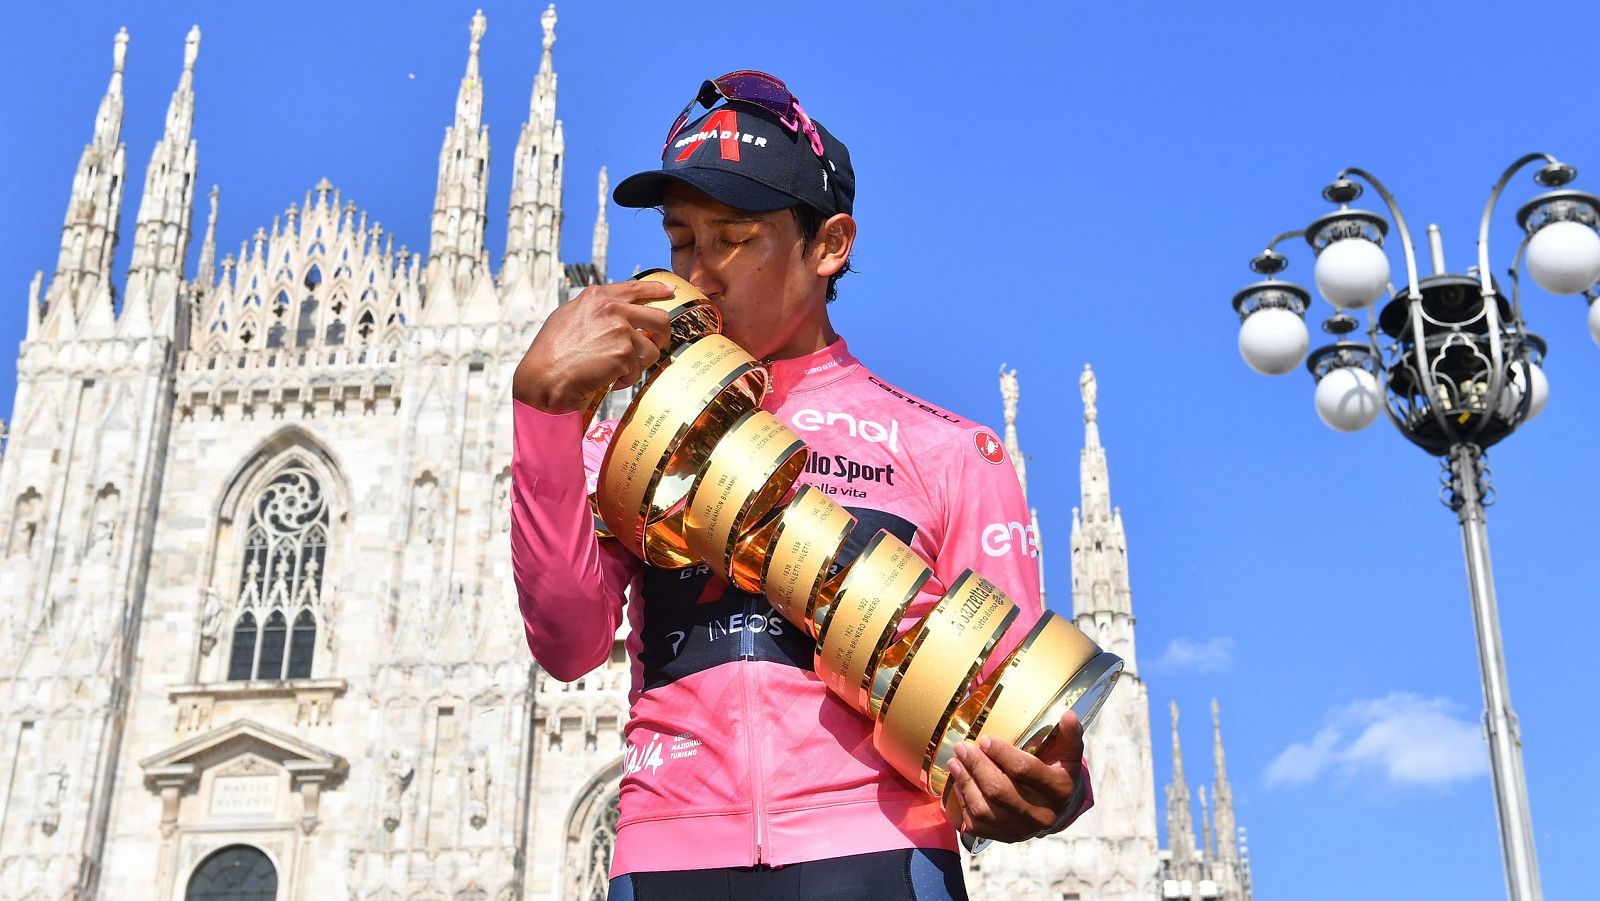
(810, 219)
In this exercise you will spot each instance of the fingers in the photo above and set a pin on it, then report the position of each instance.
(1037, 781)
(647, 319)
(994, 806)
(1066, 748)
(624, 299)
(632, 291)
(601, 339)
(974, 807)
(646, 352)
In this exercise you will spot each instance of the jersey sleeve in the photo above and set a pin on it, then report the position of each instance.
(570, 585)
(989, 528)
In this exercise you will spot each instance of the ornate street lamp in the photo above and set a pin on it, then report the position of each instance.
(1451, 362)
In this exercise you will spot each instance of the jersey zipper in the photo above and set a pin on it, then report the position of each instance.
(746, 676)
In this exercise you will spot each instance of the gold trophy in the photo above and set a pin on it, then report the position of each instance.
(697, 472)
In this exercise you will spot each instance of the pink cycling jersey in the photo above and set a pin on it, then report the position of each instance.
(736, 753)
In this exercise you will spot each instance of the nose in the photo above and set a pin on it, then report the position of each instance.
(704, 274)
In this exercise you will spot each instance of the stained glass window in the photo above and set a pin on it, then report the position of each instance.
(307, 330)
(270, 665)
(244, 647)
(302, 645)
(285, 548)
(591, 866)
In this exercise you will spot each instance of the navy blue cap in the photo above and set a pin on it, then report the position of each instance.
(741, 155)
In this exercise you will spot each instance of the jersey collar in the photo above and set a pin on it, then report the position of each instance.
(813, 370)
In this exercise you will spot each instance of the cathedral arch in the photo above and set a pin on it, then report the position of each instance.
(234, 873)
(592, 836)
(274, 566)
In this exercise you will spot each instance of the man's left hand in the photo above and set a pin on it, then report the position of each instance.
(1009, 795)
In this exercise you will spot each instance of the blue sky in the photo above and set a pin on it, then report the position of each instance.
(1044, 186)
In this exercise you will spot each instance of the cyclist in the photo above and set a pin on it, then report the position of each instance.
(744, 777)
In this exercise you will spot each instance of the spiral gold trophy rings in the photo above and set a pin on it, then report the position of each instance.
(697, 473)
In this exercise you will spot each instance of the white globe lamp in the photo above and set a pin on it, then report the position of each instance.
(1564, 257)
(1352, 273)
(1538, 389)
(1273, 340)
(1349, 399)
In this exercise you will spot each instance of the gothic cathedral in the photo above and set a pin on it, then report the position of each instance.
(260, 636)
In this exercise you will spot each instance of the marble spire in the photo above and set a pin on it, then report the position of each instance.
(82, 277)
(533, 228)
(161, 232)
(455, 247)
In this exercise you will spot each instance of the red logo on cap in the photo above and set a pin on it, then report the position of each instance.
(724, 127)
(989, 447)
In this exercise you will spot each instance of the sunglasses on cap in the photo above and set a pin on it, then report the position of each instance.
(764, 90)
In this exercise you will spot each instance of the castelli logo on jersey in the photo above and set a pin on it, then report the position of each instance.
(722, 127)
(989, 447)
(601, 433)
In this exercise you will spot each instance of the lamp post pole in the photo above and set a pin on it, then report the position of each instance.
(1450, 361)
(1465, 494)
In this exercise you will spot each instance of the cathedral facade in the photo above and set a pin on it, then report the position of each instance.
(260, 635)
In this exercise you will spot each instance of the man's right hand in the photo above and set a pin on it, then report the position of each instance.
(598, 340)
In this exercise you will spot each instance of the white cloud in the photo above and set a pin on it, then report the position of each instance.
(1213, 655)
(1404, 738)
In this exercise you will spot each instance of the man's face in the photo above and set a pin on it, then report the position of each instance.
(750, 265)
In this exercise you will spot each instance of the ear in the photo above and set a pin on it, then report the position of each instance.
(835, 240)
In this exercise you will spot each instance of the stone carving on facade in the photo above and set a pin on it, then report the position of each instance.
(425, 509)
(103, 524)
(25, 524)
(194, 713)
(502, 502)
(55, 786)
(55, 612)
(312, 709)
(210, 619)
(247, 765)
(398, 772)
(329, 617)
(478, 787)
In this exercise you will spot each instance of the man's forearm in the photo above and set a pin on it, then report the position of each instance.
(568, 587)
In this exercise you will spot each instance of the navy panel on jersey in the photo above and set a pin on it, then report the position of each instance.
(694, 620)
